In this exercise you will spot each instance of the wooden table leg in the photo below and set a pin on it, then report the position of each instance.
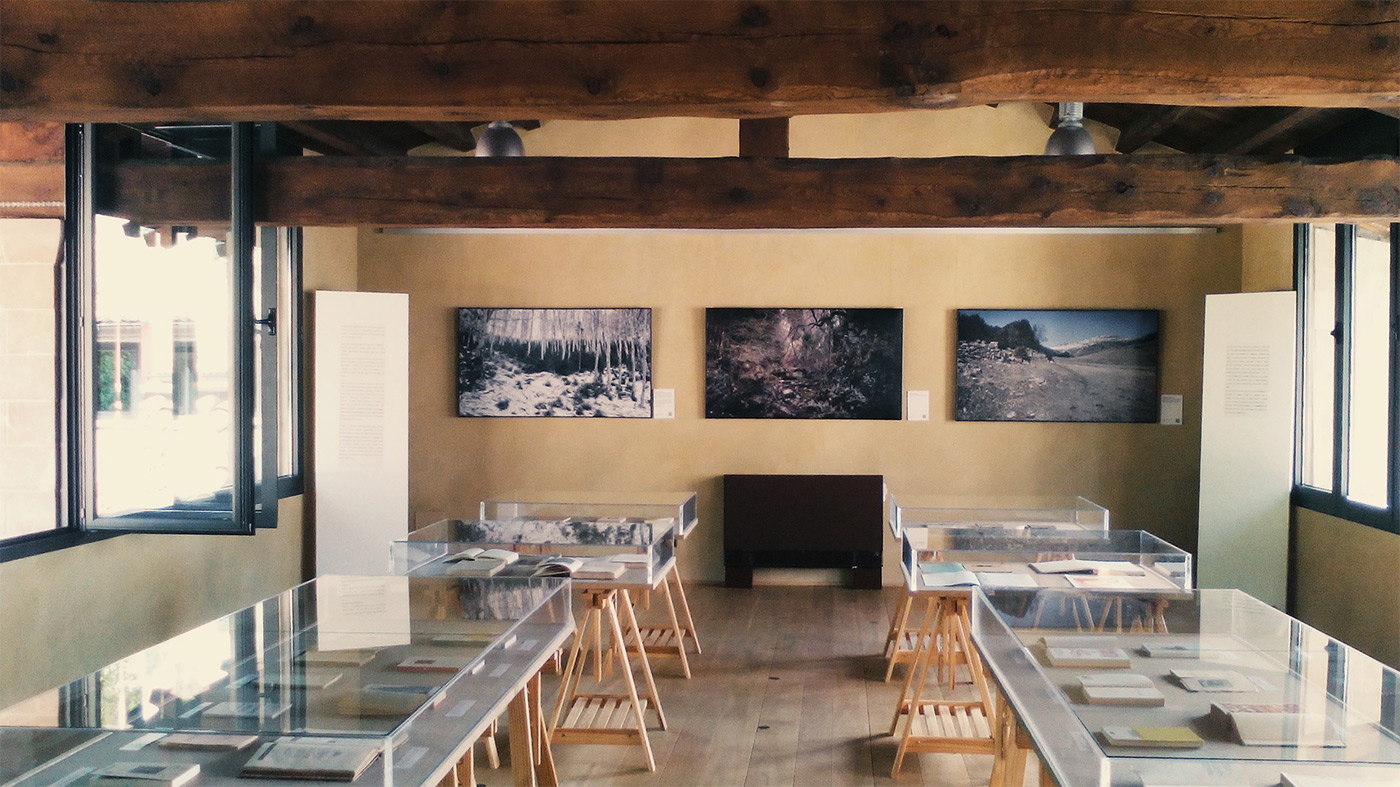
(543, 755)
(522, 760)
(677, 631)
(687, 623)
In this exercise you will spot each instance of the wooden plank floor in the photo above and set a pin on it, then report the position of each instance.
(789, 691)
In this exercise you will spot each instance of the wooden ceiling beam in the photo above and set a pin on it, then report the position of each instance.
(748, 193)
(343, 138)
(31, 170)
(282, 60)
(457, 136)
(1145, 128)
(1260, 130)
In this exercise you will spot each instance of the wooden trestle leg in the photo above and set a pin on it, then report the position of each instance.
(605, 718)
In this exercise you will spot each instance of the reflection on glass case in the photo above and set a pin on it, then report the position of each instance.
(655, 506)
(1074, 561)
(629, 550)
(1217, 688)
(1025, 514)
(373, 679)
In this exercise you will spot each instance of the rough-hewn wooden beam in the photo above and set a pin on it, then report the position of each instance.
(742, 193)
(96, 60)
(31, 170)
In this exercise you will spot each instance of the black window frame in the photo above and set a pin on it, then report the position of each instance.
(1334, 502)
(74, 379)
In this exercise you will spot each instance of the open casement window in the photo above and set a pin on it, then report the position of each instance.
(1347, 418)
(172, 359)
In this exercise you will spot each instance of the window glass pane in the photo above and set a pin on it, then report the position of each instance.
(28, 398)
(1369, 423)
(288, 364)
(162, 355)
(1319, 360)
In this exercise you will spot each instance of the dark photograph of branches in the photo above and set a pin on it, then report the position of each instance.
(1095, 365)
(804, 363)
(554, 362)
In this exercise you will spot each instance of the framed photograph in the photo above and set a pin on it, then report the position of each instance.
(1097, 365)
(804, 363)
(588, 363)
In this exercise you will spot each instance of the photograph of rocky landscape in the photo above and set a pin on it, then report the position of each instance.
(1057, 365)
(554, 362)
(804, 363)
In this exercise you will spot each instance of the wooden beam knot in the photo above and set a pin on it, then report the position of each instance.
(755, 16)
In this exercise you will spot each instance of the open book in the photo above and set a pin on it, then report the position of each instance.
(478, 562)
(953, 575)
(1076, 566)
(311, 758)
(579, 568)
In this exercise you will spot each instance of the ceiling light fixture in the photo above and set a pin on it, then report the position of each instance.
(500, 139)
(1070, 138)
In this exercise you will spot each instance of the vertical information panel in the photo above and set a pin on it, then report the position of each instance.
(361, 432)
(1247, 394)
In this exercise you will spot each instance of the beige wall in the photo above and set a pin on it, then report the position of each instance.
(1147, 474)
(1348, 583)
(66, 613)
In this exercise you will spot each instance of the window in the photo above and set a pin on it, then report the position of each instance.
(1346, 277)
(136, 323)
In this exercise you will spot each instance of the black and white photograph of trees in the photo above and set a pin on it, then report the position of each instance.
(804, 363)
(554, 362)
(1095, 365)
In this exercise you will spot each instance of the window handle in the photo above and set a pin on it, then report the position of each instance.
(269, 322)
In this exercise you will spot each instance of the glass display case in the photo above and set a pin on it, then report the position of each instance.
(379, 680)
(1225, 690)
(654, 506)
(1024, 513)
(1074, 561)
(628, 550)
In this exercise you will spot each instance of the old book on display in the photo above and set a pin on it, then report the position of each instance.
(1277, 724)
(246, 710)
(1006, 580)
(195, 741)
(1076, 566)
(1165, 651)
(387, 699)
(478, 562)
(149, 774)
(1144, 581)
(338, 658)
(1213, 680)
(311, 758)
(1102, 658)
(1152, 737)
(579, 568)
(310, 679)
(934, 574)
(1143, 697)
(434, 664)
(1114, 680)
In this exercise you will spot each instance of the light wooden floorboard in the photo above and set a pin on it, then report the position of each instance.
(789, 691)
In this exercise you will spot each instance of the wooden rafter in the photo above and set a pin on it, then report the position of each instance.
(1146, 126)
(743, 193)
(95, 60)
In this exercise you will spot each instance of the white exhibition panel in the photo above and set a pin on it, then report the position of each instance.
(361, 431)
(1247, 399)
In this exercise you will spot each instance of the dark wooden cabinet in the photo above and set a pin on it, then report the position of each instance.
(803, 521)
